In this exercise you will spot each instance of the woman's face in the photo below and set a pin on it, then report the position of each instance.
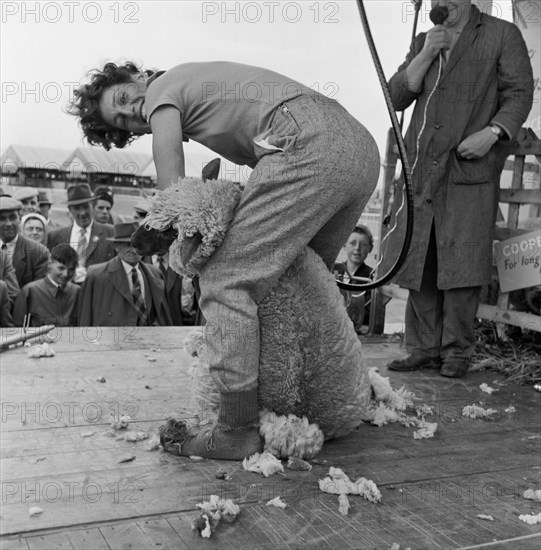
(123, 106)
(357, 248)
(33, 229)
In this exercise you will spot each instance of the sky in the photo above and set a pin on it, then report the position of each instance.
(47, 49)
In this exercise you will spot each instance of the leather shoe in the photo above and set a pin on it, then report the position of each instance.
(455, 368)
(414, 362)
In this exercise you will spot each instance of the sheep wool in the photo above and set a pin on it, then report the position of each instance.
(311, 363)
(290, 436)
(476, 411)
(338, 483)
(214, 511)
(264, 464)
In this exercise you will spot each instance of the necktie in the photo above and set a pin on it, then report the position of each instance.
(138, 301)
(162, 267)
(81, 248)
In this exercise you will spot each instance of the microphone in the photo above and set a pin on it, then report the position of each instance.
(438, 15)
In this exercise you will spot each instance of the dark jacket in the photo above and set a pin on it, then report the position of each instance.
(173, 295)
(30, 260)
(105, 298)
(99, 249)
(8, 275)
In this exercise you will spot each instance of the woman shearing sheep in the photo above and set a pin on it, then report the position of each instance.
(314, 169)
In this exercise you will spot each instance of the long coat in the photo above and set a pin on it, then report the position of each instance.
(30, 260)
(173, 297)
(99, 249)
(487, 79)
(105, 298)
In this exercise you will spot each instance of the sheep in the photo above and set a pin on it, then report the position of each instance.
(311, 368)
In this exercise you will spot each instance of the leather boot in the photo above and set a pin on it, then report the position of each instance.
(233, 437)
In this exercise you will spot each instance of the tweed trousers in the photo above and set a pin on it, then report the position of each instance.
(440, 323)
(317, 167)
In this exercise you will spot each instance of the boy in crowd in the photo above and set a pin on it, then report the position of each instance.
(53, 299)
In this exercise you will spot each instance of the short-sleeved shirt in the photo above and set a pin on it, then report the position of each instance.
(223, 105)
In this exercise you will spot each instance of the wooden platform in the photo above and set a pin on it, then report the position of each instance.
(55, 455)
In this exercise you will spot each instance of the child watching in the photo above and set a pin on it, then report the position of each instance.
(53, 299)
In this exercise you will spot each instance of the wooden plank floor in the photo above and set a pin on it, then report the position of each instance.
(55, 455)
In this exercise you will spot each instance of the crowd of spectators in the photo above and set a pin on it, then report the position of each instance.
(87, 272)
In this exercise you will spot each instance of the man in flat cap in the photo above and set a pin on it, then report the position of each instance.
(28, 197)
(29, 258)
(123, 291)
(87, 236)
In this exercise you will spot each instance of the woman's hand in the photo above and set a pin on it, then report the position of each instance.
(477, 145)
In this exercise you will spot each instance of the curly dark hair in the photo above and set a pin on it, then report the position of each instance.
(85, 105)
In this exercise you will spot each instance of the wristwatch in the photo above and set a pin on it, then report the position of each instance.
(496, 130)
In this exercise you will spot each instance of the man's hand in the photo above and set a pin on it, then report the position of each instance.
(437, 39)
(477, 145)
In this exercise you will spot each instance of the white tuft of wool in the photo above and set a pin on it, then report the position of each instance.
(426, 430)
(383, 414)
(530, 519)
(277, 502)
(531, 494)
(41, 350)
(424, 410)
(486, 517)
(475, 411)
(487, 389)
(397, 399)
(264, 464)
(343, 504)
(290, 436)
(219, 508)
(337, 483)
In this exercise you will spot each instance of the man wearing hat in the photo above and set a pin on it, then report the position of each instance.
(29, 258)
(140, 211)
(103, 206)
(123, 291)
(28, 197)
(86, 236)
(45, 203)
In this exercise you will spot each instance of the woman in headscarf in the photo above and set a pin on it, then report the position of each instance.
(34, 226)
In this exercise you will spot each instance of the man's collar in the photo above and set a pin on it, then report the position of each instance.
(128, 267)
(49, 280)
(88, 229)
(13, 241)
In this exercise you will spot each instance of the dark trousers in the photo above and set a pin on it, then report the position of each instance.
(440, 323)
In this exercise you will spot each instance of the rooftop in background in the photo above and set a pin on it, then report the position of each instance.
(117, 161)
(79, 160)
(29, 156)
